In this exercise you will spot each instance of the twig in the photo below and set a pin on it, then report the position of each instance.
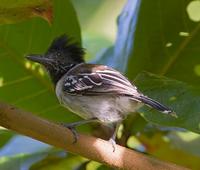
(90, 147)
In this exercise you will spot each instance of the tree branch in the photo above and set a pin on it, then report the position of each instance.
(92, 148)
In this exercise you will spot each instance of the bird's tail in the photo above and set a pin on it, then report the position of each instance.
(156, 105)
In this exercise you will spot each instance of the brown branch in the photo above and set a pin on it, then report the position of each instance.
(92, 148)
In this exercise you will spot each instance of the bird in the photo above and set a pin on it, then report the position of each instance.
(97, 93)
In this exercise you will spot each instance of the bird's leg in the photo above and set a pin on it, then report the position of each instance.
(72, 126)
(114, 134)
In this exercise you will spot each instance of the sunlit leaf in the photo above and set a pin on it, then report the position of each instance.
(186, 141)
(161, 147)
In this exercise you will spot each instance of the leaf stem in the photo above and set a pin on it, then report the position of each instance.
(174, 57)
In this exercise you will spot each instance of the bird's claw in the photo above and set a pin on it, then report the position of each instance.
(74, 132)
(72, 128)
(113, 143)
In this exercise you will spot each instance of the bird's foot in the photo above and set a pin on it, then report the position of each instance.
(72, 128)
(113, 143)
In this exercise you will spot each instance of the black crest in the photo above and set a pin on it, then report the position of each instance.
(68, 47)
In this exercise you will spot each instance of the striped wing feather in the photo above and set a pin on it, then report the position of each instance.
(97, 81)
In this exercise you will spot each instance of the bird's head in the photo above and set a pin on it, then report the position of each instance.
(61, 56)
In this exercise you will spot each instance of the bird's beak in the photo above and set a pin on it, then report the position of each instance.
(39, 59)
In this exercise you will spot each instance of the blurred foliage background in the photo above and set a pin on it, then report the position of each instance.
(155, 43)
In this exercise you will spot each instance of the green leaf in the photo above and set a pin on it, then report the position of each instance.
(25, 84)
(182, 98)
(20, 161)
(14, 11)
(27, 160)
(53, 162)
(5, 136)
(186, 141)
(167, 41)
(161, 147)
(20, 157)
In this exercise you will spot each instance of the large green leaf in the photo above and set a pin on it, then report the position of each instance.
(22, 83)
(167, 41)
(182, 98)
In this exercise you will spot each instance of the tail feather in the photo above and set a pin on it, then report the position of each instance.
(156, 105)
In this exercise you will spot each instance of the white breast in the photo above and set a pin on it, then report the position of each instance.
(106, 108)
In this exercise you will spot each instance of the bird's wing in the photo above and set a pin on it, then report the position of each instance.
(88, 79)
